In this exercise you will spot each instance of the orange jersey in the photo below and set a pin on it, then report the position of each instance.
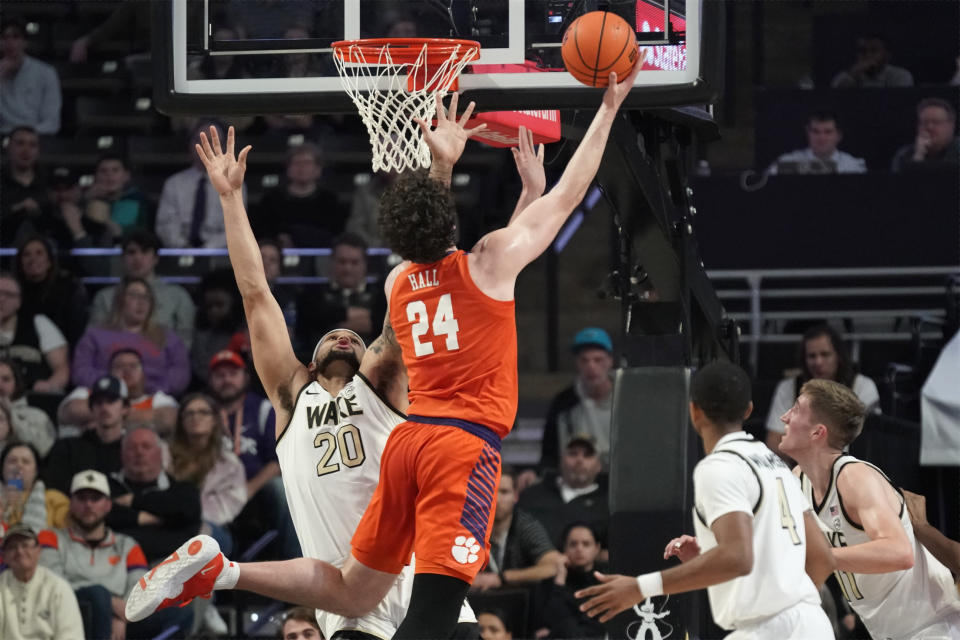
(459, 345)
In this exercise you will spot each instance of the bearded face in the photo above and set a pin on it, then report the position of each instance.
(338, 355)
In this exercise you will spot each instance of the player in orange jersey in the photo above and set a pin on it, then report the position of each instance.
(452, 314)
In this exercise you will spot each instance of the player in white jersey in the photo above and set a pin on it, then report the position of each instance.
(758, 551)
(331, 432)
(333, 419)
(896, 587)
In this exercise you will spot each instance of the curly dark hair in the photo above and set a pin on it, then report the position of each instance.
(418, 219)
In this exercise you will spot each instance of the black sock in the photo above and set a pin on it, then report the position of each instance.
(435, 604)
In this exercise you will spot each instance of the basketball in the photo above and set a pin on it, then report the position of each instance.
(596, 44)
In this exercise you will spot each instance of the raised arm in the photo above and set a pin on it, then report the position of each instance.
(448, 139)
(529, 161)
(277, 365)
(503, 253)
(383, 366)
(870, 500)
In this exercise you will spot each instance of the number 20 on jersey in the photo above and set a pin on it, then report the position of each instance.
(424, 331)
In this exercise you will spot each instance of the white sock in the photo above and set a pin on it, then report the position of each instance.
(228, 576)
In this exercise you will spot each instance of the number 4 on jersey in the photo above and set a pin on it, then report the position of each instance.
(786, 518)
(444, 324)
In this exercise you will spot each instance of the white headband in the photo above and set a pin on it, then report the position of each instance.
(324, 337)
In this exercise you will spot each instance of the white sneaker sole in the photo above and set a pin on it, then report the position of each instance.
(166, 580)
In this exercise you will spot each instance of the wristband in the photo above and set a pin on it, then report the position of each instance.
(650, 584)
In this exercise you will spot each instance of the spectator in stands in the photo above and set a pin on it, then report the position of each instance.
(32, 342)
(130, 326)
(219, 319)
(561, 616)
(114, 205)
(66, 197)
(35, 602)
(49, 290)
(199, 457)
(251, 429)
(189, 212)
(157, 511)
(100, 565)
(272, 256)
(955, 80)
(99, 446)
(821, 154)
(174, 306)
(937, 146)
(29, 88)
(872, 67)
(584, 407)
(521, 553)
(27, 209)
(365, 207)
(24, 498)
(347, 301)
(29, 424)
(157, 410)
(493, 625)
(576, 494)
(299, 213)
(822, 354)
(7, 434)
(300, 623)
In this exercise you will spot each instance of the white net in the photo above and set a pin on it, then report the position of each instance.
(388, 102)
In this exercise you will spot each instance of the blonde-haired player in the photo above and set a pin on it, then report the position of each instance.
(896, 587)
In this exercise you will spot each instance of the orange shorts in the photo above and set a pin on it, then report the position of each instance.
(436, 497)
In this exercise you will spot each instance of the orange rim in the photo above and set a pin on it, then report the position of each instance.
(405, 50)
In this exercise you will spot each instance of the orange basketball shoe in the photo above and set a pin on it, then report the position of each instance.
(189, 572)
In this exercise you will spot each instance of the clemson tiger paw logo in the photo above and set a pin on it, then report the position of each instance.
(465, 550)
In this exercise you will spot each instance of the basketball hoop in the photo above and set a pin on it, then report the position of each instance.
(394, 80)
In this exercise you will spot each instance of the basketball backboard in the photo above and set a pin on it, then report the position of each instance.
(274, 56)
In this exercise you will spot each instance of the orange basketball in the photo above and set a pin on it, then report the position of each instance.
(596, 44)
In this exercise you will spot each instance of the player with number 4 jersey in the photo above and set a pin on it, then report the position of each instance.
(758, 551)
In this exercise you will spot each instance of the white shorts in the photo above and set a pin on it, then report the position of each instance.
(803, 621)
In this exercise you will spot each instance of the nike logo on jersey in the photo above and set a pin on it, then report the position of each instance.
(422, 279)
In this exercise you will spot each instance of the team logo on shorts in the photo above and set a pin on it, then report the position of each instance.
(465, 550)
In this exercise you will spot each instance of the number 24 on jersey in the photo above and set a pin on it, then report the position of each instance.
(444, 324)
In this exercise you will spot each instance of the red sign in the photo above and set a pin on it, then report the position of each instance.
(662, 57)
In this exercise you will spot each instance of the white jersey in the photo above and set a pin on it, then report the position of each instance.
(741, 474)
(329, 456)
(920, 602)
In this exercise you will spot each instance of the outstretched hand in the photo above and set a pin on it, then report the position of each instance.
(614, 594)
(530, 163)
(450, 136)
(617, 91)
(225, 171)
